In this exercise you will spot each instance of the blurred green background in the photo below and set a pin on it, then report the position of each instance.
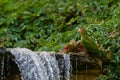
(47, 25)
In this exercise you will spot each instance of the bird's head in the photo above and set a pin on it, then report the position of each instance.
(82, 31)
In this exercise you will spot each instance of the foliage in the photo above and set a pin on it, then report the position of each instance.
(49, 24)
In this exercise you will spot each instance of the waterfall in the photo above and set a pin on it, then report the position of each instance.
(40, 66)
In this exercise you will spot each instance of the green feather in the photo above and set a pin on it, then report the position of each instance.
(90, 46)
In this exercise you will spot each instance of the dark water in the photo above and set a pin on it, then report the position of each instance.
(86, 75)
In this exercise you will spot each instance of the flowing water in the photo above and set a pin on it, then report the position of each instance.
(67, 66)
(39, 66)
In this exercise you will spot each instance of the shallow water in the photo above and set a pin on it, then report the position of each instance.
(89, 75)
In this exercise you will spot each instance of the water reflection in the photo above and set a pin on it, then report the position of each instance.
(83, 75)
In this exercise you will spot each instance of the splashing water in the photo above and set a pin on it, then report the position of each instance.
(39, 66)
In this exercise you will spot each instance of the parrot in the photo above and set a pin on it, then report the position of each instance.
(91, 47)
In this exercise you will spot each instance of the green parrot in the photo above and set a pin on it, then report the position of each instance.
(90, 46)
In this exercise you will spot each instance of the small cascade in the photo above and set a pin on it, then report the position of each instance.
(67, 66)
(51, 65)
(40, 66)
(64, 66)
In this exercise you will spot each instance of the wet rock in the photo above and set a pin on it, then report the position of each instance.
(8, 68)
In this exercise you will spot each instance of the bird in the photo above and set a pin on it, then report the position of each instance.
(91, 47)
